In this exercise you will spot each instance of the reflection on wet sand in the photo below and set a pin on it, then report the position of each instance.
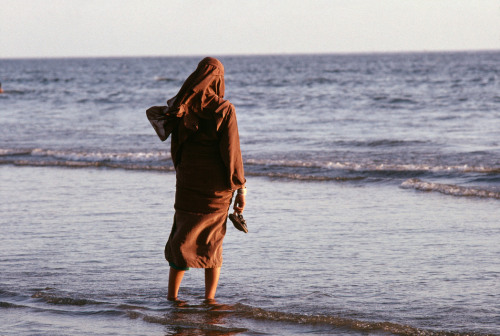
(209, 319)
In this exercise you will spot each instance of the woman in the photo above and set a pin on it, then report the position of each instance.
(206, 154)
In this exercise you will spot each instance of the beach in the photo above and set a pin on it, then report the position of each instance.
(84, 247)
(373, 197)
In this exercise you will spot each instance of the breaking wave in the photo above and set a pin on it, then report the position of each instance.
(405, 175)
(375, 167)
(40, 156)
(159, 161)
(449, 189)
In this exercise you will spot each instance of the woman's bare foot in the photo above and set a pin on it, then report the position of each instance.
(210, 301)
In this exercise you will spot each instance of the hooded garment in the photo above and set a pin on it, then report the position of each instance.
(205, 150)
(201, 97)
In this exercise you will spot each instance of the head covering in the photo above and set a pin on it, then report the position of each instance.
(208, 75)
(201, 96)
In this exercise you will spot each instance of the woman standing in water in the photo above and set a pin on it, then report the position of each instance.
(205, 150)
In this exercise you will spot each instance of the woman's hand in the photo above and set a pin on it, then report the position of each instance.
(239, 203)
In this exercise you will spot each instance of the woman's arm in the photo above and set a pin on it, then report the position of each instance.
(230, 150)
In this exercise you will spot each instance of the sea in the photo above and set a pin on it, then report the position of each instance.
(373, 201)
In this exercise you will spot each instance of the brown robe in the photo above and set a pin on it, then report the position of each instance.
(206, 154)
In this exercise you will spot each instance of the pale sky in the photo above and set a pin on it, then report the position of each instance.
(68, 28)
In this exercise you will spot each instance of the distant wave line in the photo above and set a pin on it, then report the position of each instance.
(164, 168)
(374, 167)
(86, 164)
(162, 156)
(307, 170)
(94, 156)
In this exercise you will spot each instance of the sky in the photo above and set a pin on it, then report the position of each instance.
(95, 28)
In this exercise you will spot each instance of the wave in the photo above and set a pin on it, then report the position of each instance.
(48, 298)
(338, 322)
(300, 170)
(375, 167)
(86, 156)
(159, 161)
(449, 189)
(76, 164)
(301, 177)
(96, 157)
(216, 317)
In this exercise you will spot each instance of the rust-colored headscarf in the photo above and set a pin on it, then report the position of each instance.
(201, 96)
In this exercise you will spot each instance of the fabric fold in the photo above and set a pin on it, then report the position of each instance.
(205, 150)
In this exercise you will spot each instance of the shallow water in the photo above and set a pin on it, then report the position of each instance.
(425, 121)
(82, 254)
(374, 183)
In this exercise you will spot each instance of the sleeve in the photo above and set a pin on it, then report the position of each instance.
(161, 122)
(230, 150)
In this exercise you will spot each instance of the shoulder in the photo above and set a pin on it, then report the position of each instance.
(225, 108)
(230, 108)
(224, 114)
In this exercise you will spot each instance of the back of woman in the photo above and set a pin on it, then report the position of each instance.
(206, 154)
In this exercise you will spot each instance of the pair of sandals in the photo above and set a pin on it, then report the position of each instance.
(238, 221)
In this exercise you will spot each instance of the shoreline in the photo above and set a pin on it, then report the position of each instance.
(354, 252)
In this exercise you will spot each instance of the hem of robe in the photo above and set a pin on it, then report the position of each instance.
(196, 239)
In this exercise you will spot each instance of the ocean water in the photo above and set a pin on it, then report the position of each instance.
(373, 205)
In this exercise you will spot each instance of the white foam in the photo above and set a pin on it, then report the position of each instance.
(449, 189)
(12, 151)
(374, 167)
(102, 156)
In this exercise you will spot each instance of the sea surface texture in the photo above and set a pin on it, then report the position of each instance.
(373, 197)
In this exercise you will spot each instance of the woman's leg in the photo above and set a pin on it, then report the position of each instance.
(174, 282)
(211, 281)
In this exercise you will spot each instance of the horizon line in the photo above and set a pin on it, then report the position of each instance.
(256, 54)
